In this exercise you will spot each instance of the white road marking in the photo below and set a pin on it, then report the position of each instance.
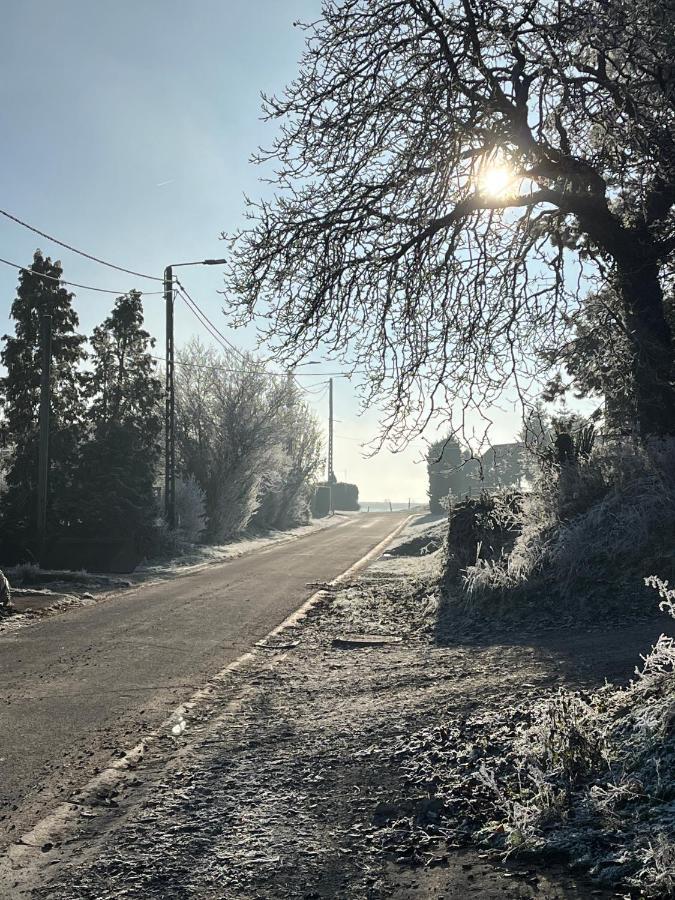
(24, 859)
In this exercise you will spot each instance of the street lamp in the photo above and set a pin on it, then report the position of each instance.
(170, 409)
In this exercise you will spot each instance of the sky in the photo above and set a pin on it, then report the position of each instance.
(127, 129)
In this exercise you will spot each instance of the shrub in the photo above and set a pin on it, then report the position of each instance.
(590, 527)
(246, 438)
(611, 757)
(482, 529)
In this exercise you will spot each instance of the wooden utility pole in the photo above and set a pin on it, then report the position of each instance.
(331, 473)
(170, 409)
(43, 452)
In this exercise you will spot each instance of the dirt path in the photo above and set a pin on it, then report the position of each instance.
(287, 786)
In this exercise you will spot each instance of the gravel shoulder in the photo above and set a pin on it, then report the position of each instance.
(287, 783)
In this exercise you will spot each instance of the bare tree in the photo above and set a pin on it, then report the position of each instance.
(452, 178)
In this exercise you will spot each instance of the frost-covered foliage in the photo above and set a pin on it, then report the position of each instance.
(602, 769)
(590, 776)
(247, 439)
(590, 527)
(482, 530)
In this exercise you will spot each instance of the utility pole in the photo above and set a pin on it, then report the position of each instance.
(43, 453)
(331, 474)
(170, 411)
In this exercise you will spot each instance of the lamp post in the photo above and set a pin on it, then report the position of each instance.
(170, 408)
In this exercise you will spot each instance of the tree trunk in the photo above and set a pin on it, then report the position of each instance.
(652, 363)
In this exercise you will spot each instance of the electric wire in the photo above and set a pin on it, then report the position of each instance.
(219, 337)
(85, 287)
(346, 437)
(184, 294)
(95, 259)
(229, 343)
(317, 395)
(227, 369)
(196, 311)
(217, 368)
(189, 301)
(213, 328)
(204, 322)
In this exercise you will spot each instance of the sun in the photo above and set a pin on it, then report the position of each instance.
(496, 181)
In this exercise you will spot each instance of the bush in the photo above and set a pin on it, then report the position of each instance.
(609, 762)
(590, 527)
(482, 530)
(247, 439)
(590, 777)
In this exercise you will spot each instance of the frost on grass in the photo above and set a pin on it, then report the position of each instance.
(588, 776)
(617, 505)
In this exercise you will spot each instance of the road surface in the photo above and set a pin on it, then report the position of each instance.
(83, 685)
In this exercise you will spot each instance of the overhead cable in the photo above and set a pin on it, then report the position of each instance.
(217, 368)
(204, 321)
(90, 256)
(213, 326)
(86, 287)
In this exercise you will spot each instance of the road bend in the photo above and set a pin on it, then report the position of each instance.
(90, 681)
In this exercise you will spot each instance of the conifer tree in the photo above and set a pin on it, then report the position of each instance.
(39, 291)
(119, 459)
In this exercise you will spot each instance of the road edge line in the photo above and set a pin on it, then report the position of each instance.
(20, 856)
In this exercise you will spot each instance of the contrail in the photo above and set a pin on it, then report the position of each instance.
(162, 183)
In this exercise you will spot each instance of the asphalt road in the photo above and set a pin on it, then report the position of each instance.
(80, 686)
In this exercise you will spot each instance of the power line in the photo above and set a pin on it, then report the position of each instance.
(261, 371)
(204, 321)
(95, 259)
(188, 365)
(199, 315)
(220, 337)
(86, 287)
(183, 292)
(317, 395)
(345, 437)
(213, 326)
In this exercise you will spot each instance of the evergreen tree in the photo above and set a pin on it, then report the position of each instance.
(39, 291)
(446, 474)
(598, 358)
(116, 496)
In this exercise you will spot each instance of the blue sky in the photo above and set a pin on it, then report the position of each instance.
(126, 131)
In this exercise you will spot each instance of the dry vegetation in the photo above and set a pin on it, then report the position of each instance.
(572, 528)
